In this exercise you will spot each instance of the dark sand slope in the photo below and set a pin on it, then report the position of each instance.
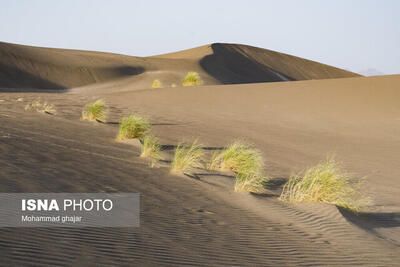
(234, 63)
(48, 68)
(184, 221)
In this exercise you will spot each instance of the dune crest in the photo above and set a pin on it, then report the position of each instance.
(27, 67)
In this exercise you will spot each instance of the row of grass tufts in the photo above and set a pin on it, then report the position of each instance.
(325, 182)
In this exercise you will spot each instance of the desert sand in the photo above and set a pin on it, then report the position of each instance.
(294, 110)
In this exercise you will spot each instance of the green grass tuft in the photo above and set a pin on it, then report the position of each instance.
(151, 147)
(186, 158)
(96, 111)
(326, 182)
(251, 183)
(241, 158)
(133, 126)
(156, 84)
(192, 78)
(247, 164)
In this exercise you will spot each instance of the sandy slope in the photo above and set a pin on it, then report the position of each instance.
(201, 221)
(48, 68)
(184, 221)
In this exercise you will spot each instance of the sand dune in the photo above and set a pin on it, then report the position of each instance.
(48, 68)
(201, 221)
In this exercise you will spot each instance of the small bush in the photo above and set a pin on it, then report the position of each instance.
(187, 158)
(192, 79)
(156, 84)
(325, 182)
(151, 147)
(96, 111)
(133, 126)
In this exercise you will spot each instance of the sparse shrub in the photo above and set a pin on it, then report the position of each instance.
(39, 107)
(191, 79)
(133, 126)
(151, 147)
(156, 84)
(326, 182)
(96, 111)
(186, 158)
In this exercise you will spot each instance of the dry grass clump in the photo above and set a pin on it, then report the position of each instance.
(156, 84)
(96, 111)
(247, 164)
(151, 147)
(186, 158)
(326, 182)
(191, 79)
(214, 162)
(133, 126)
(253, 182)
(41, 107)
(241, 158)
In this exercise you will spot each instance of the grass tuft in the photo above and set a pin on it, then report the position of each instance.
(186, 158)
(192, 79)
(326, 182)
(247, 164)
(250, 183)
(214, 163)
(96, 111)
(241, 158)
(151, 147)
(156, 84)
(133, 126)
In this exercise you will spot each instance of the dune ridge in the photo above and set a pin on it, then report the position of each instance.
(49, 68)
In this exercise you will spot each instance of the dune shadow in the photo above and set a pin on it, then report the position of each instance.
(61, 78)
(231, 65)
(13, 79)
(113, 122)
(128, 70)
(275, 183)
(215, 174)
(371, 220)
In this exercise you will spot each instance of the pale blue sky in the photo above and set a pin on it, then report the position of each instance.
(350, 34)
